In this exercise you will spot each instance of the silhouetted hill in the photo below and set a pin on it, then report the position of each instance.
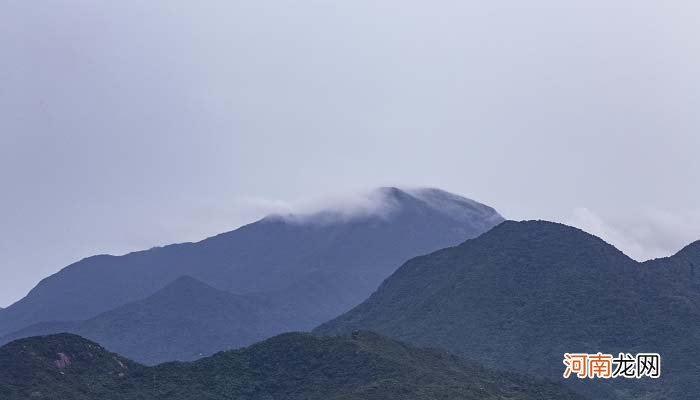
(322, 264)
(290, 366)
(523, 294)
(62, 366)
(185, 320)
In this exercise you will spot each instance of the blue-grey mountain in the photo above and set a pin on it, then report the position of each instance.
(304, 268)
(185, 320)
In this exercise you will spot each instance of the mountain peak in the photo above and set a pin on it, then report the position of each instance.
(532, 230)
(532, 287)
(183, 286)
(57, 342)
(455, 206)
(389, 201)
(59, 351)
(541, 233)
(313, 271)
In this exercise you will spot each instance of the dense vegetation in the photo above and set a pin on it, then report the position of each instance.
(521, 295)
(290, 366)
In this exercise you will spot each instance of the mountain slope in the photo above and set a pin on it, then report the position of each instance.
(538, 290)
(290, 366)
(61, 367)
(312, 255)
(183, 321)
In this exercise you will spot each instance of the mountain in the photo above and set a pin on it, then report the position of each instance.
(523, 294)
(317, 265)
(189, 319)
(290, 366)
(185, 320)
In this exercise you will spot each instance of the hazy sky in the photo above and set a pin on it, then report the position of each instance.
(129, 124)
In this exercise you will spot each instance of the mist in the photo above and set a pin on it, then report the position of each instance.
(125, 125)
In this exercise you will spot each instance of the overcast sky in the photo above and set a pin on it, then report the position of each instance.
(130, 124)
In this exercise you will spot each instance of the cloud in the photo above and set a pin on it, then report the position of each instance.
(339, 207)
(642, 234)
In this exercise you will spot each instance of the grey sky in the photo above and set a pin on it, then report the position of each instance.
(129, 124)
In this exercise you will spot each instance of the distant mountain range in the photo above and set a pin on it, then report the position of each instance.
(523, 294)
(183, 321)
(279, 274)
(509, 295)
(363, 366)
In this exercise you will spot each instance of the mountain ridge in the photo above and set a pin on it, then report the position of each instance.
(291, 366)
(185, 320)
(540, 289)
(161, 327)
(318, 270)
